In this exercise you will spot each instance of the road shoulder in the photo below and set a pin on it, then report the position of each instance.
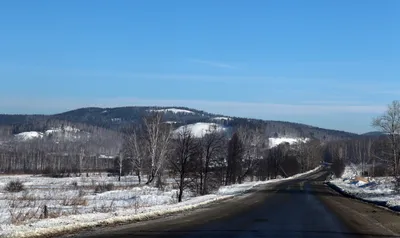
(365, 220)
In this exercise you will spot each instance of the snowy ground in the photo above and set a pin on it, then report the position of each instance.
(379, 190)
(72, 203)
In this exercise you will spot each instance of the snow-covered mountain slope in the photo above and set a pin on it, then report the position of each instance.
(65, 133)
(200, 129)
(273, 142)
(60, 130)
(28, 135)
(173, 110)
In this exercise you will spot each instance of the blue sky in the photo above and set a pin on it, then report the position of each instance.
(333, 64)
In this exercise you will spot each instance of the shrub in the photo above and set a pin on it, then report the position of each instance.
(81, 193)
(100, 188)
(19, 216)
(14, 186)
(338, 167)
(74, 184)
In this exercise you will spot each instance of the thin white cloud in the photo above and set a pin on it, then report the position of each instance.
(370, 87)
(332, 102)
(232, 108)
(213, 63)
(388, 92)
(126, 75)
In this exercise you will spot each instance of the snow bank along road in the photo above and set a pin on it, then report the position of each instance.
(303, 207)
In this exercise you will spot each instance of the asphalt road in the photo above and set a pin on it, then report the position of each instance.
(304, 207)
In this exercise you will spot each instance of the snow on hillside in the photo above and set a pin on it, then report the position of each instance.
(65, 129)
(273, 142)
(222, 119)
(170, 122)
(173, 110)
(67, 132)
(200, 129)
(29, 135)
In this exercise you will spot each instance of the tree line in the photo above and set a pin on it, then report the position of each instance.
(378, 155)
(154, 152)
(60, 153)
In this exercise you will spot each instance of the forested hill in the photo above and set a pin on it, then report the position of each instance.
(117, 118)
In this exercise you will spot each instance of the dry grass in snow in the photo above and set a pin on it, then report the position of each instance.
(72, 203)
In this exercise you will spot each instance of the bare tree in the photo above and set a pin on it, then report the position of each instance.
(252, 141)
(120, 165)
(135, 152)
(212, 148)
(276, 157)
(81, 156)
(308, 154)
(389, 123)
(235, 155)
(185, 151)
(157, 135)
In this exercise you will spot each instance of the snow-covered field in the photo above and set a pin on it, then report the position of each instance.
(379, 190)
(73, 204)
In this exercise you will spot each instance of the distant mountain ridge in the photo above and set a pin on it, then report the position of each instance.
(120, 117)
(373, 133)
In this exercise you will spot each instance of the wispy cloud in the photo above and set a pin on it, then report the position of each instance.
(213, 63)
(388, 92)
(370, 87)
(233, 108)
(332, 102)
(127, 75)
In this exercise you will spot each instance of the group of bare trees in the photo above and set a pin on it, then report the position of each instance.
(202, 164)
(153, 151)
(146, 147)
(75, 151)
(389, 123)
(377, 155)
